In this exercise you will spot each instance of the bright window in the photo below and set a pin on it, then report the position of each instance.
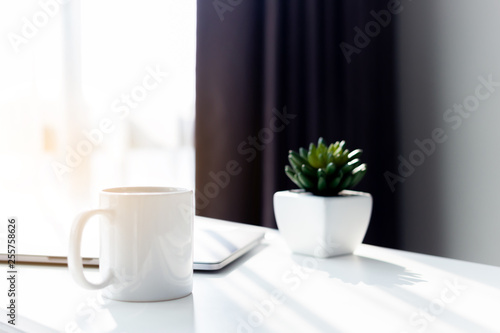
(93, 94)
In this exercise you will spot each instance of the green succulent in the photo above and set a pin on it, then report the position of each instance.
(325, 170)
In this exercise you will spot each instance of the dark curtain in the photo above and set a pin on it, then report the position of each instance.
(272, 76)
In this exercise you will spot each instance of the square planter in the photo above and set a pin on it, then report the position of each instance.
(322, 226)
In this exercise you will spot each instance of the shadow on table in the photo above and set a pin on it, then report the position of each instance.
(355, 269)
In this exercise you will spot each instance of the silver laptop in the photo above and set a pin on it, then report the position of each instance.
(216, 244)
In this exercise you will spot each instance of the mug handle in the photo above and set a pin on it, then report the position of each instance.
(75, 263)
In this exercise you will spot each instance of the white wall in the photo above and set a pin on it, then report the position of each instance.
(451, 203)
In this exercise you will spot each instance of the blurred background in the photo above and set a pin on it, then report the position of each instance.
(98, 94)
(449, 206)
(92, 95)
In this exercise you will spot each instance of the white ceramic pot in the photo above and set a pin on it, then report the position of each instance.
(322, 226)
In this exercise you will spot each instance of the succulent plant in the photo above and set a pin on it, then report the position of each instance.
(325, 170)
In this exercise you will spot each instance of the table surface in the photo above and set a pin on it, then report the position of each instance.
(272, 290)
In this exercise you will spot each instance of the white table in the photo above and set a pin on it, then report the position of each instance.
(272, 290)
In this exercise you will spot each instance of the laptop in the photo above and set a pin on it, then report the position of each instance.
(216, 244)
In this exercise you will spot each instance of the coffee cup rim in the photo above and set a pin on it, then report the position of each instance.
(144, 190)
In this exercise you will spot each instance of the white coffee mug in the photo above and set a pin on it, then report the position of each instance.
(146, 250)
